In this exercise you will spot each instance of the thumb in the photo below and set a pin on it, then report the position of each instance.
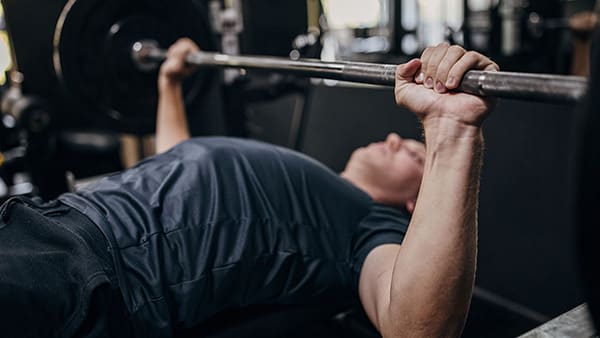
(405, 78)
(406, 72)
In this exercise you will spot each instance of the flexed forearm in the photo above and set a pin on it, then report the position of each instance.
(432, 277)
(435, 267)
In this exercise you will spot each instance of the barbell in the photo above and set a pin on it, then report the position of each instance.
(106, 54)
(525, 86)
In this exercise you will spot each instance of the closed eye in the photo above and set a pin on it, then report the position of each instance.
(416, 156)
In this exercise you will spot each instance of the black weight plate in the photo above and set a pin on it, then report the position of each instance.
(129, 88)
(93, 62)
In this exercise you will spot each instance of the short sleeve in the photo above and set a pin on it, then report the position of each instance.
(382, 225)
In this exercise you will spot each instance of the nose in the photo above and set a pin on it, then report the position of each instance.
(393, 141)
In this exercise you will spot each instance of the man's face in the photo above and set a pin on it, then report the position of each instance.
(394, 166)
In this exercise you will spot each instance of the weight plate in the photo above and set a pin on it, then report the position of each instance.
(92, 59)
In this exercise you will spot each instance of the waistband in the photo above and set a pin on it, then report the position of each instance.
(68, 217)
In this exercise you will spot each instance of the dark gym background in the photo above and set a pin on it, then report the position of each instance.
(527, 266)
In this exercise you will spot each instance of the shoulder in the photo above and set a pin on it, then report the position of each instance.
(384, 224)
(381, 213)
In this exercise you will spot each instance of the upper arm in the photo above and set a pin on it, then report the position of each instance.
(375, 282)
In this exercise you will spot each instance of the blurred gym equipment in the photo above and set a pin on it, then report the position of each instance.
(92, 41)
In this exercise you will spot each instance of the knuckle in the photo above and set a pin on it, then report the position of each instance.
(427, 52)
(456, 49)
(472, 55)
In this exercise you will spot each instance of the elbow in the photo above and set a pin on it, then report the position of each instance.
(422, 331)
(433, 325)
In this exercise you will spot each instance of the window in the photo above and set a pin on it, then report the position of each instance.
(440, 20)
(430, 22)
(357, 29)
(343, 14)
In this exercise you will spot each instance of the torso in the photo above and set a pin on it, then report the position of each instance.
(217, 223)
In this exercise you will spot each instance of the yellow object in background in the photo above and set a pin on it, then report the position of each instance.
(5, 53)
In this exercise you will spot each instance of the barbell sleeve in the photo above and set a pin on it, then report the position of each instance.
(523, 86)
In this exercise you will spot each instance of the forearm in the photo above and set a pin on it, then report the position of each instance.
(171, 120)
(434, 269)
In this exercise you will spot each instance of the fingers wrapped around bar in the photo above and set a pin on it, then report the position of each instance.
(422, 85)
(175, 68)
(443, 66)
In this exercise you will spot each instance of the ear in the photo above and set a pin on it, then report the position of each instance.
(410, 206)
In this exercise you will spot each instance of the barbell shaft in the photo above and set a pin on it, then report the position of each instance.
(523, 86)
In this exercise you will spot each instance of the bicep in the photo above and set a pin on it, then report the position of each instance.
(375, 282)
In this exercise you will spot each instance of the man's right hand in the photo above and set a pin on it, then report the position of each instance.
(174, 70)
(425, 86)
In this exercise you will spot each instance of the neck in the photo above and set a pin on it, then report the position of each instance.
(356, 182)
(376, 194)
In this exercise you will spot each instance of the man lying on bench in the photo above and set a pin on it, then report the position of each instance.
(216, 223)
